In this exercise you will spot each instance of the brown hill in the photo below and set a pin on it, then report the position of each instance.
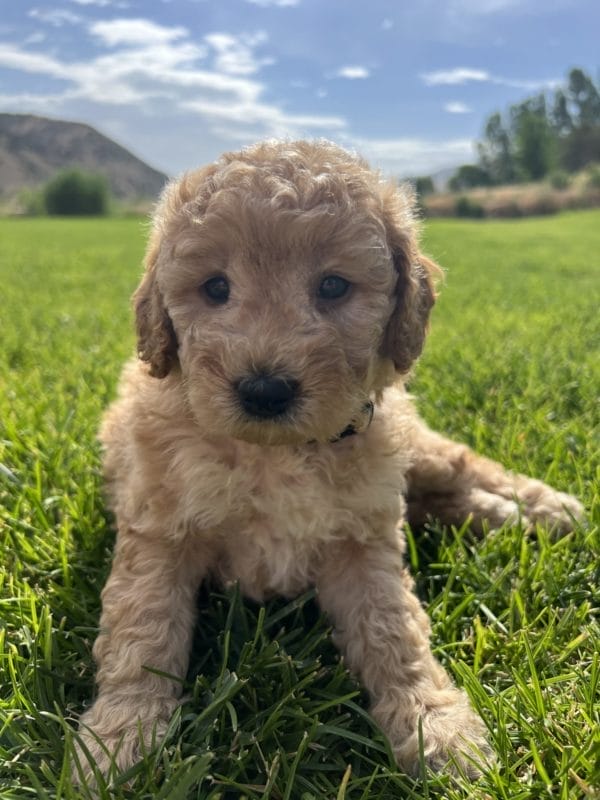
(33, 149)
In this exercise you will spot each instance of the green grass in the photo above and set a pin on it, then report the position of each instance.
(512, 367)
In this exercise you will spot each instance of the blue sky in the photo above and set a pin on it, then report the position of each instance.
(408, 84)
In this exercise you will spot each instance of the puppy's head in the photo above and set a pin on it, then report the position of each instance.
(285, 286)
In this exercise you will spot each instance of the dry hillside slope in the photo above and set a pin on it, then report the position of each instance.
(33, 149)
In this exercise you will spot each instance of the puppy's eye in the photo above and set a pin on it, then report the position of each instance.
(332, 287)
(217, 289)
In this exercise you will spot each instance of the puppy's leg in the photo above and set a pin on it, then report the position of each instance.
(450, 482)
(384, 634)
(146, 624)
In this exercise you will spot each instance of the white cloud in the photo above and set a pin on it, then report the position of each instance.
(235, 54)
(55, 17)
(528, 85)
(277, 3)
(102, 3)
(387, 24)
(135, 32)
(13, 57)
(456, 107)
(451, 77)
(158, 69)
(459, 75)
(355, 72)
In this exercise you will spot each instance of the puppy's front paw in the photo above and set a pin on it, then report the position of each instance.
(449, 738)
(115, 733)
(455, 741)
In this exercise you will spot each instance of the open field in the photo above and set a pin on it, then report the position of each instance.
(512, 367)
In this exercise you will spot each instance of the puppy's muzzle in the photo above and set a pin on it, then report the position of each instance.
(266, 396)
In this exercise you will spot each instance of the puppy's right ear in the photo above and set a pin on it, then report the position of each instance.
(157, 341)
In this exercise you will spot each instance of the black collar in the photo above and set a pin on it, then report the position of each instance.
(358, 424)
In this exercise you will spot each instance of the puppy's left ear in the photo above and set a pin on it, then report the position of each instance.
(157, 342)
(414, 293)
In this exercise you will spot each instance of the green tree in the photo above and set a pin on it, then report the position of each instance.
(495, 151)
(580, 148)
(468, 176)
(581, 145)
(76, 193)
(544, 132)
(534, 141)
(423, 185)
(584, 97)
(561, 117)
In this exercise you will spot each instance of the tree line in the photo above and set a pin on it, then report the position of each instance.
(546, 133)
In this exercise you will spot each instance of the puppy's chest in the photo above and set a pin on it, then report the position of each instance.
(281, 511)
(304, 494)
(271, 511)
(282, 495)
(267, 512)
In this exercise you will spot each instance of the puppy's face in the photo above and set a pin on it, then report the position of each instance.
(282, 286)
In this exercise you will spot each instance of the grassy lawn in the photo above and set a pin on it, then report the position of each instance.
(512, 367)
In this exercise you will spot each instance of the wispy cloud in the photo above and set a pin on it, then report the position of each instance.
(15, 58)
(150, 66)
(460, 75)
(102, 3)
(278, 3)
(354, 72)
(457, 107)
(56, 17)
(235, 54)
(451, 77)
(135, 32)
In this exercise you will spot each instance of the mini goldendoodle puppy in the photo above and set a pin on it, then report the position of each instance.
(264, 436)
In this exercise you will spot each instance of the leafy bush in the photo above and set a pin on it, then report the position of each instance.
(465, 207)
(560, 179)
(593, 178)
(76, 193)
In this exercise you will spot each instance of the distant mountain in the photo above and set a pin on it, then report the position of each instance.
(33, 149)
(441, 177)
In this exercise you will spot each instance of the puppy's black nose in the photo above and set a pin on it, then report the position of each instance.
(266, 396)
